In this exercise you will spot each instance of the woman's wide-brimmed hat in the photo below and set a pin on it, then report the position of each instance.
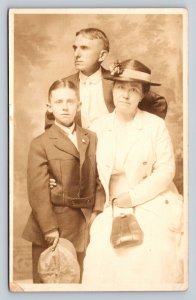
(130, 70)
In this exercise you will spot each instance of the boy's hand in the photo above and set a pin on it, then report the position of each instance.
(52, 238)
(52, 183)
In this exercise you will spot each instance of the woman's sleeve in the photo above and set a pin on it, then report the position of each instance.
(163, 169)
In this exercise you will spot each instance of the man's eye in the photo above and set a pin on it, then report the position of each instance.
(58, 101)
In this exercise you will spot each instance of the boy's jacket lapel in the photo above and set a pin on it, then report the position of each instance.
(61, 141)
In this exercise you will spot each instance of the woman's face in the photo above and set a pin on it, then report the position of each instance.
(126, 96)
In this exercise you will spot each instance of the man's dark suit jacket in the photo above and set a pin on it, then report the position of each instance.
(152, 102)
(69, 205)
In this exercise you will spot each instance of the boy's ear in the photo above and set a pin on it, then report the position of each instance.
(79, 106)
(49, 109)
(103, 55)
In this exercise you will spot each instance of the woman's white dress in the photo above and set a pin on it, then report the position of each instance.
(153, 264)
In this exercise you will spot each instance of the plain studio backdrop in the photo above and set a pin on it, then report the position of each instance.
(43, 53)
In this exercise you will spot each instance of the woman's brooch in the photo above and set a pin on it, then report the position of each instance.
(116, 68)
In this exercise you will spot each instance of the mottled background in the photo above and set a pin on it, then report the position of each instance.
(43, 53)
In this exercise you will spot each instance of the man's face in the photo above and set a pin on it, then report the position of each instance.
(126, 96)
(64, 105)
(88, 54)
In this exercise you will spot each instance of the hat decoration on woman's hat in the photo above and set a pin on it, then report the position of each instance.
(130, 70)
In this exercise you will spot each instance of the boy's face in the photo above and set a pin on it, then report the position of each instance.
(64, 104)
(88, 54)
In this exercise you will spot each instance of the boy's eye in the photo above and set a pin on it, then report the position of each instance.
(84, 47)
(58, 101)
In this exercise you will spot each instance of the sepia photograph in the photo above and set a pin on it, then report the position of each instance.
(98, 149)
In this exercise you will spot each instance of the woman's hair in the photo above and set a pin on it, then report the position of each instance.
(145, 88)
(62, 83)
(94, 33)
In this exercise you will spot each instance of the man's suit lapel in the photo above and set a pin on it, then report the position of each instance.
(75, 79)
(107, 90)
(61, 141)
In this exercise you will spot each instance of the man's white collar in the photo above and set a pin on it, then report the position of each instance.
(94, 78)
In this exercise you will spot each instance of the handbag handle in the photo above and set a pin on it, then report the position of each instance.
(112, 202)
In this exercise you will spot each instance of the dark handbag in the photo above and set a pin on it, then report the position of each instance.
(125, 231)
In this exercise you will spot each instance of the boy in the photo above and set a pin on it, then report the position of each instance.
(65, 152)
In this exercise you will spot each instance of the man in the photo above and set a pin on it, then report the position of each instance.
(91, 47)
(65, 152)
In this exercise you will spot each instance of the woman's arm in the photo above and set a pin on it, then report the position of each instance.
(163, 169)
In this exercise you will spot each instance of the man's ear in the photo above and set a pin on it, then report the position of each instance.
(49, 109)
(102, 55)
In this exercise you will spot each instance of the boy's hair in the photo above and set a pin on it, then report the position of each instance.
(94, 33)
(62, 83)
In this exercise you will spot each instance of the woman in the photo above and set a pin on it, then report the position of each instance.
(136, 166)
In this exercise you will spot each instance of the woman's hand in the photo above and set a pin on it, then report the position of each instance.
(52, 183)
(52, 237)
(123, 200)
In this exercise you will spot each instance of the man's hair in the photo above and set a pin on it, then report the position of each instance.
(62, 83)
(94, 33)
